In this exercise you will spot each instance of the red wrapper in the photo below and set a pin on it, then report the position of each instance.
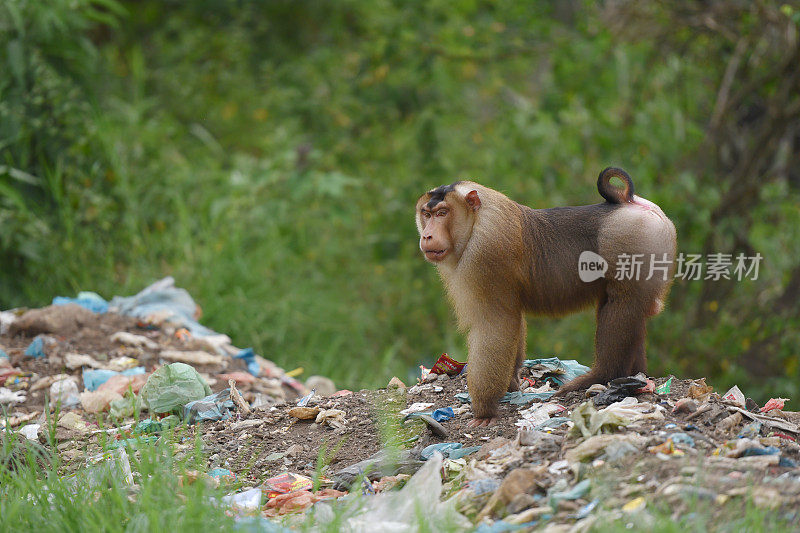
(447, 365)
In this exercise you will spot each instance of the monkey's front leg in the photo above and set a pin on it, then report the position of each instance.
(494, 348)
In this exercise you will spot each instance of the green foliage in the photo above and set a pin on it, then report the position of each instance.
(268, 155)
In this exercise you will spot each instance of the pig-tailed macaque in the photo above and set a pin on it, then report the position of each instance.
(499, 259)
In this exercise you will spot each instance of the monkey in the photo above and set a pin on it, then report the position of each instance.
(499, 260)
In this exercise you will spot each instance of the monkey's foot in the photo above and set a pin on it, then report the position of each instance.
(481, 422)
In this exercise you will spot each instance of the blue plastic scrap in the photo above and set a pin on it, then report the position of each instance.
(94, 377)
(558, 371)
(249, 358)
(36, 348)
(451, 450)
(88, 300)
(586, 510)
(218, 406)
(682, 438)
(3, 355)
(163, 296)
(551, 423)
(440, 415)
(485, 485)
(578, 491)
(769, 450)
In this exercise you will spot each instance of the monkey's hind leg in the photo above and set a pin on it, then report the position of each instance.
(619, 342)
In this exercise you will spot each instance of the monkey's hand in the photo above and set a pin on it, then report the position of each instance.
(481, 422)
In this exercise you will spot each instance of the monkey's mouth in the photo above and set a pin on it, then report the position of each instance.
(435, 255)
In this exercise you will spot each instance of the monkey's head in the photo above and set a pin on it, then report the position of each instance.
(445, 218)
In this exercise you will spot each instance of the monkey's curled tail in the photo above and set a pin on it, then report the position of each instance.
(612, 194)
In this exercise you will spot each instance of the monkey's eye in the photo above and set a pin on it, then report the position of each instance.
(441, 213)
(426, 214)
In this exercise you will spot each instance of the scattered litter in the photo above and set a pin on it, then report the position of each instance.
(8, 396)
(774, 403)
(88, 300)
(398, 510)
(559, 492)
(65, 393)
(302, 402)
(331, 417)
(98, 401)
(129, 339)
(451, 450)
(650, 387)
(618, 390)
(248, 501)
(665, 387)
(698, 390)
(36, 347)
(173, 386)
(384, 463)
(538, 414)
(447, 365)
(416, 408)
(223, 476)
(218, 406)
(735, 396)
(30, 431)
(635, 505)
(195, 357)
(249, 357)
(94, 378)
(285, 483)
(555, 370)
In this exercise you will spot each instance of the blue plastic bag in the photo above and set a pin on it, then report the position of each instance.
(94, 377)
(217, 406)
(36, 348)
(88, 300)
(249, 358)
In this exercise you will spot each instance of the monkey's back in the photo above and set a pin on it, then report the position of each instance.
(555, 238)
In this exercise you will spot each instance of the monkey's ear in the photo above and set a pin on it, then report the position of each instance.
(473, 200)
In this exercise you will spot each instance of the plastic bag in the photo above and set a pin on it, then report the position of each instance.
(65, 391)
(217, 406)
(172, 387)
(403, 510)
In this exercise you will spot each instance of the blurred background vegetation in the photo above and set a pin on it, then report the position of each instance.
(269, 154)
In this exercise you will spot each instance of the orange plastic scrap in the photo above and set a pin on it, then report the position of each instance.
(298, 501)
(286, 483)
(667, 448)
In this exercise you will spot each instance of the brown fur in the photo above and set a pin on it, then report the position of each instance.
(499, 260)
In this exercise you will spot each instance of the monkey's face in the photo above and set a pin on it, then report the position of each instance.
(445, 221)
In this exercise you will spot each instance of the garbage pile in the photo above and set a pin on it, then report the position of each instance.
(91, 360)
(119, 375)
